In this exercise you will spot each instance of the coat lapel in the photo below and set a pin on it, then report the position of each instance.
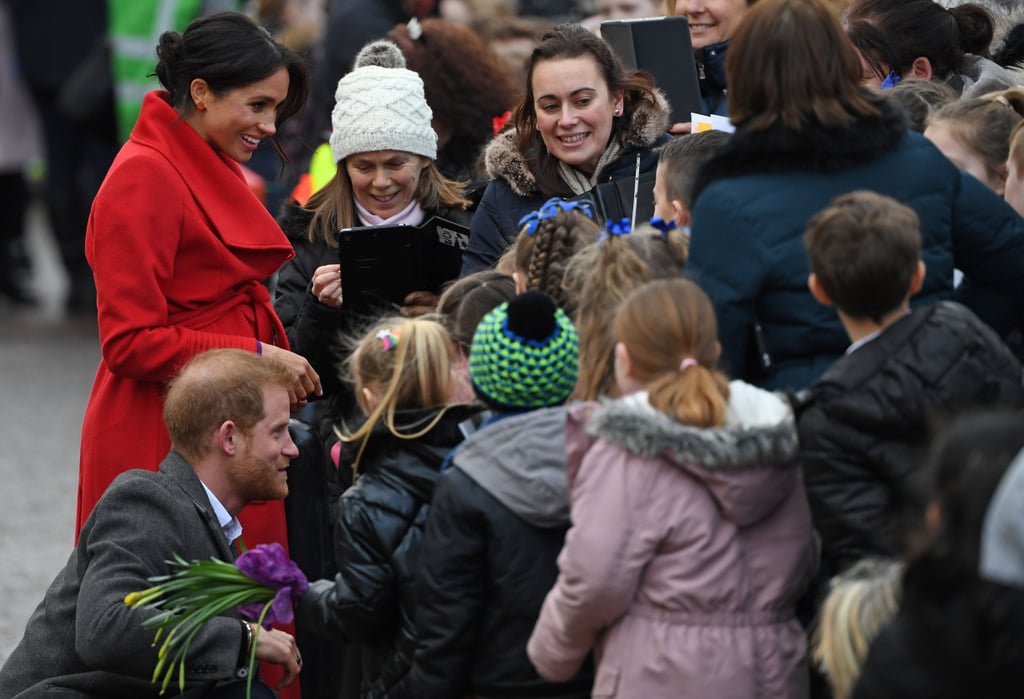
(216, 181)
(185, 477)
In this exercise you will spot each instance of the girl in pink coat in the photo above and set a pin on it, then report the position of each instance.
(691, 539)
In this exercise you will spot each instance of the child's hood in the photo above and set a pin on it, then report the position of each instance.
(748, 464)
(520, 460)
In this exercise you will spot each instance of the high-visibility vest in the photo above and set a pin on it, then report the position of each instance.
(135, 29)
(321, 169)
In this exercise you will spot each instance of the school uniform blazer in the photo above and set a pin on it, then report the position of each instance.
(82, 640)
(179, 247)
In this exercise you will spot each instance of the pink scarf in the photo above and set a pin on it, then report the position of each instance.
(411, 215)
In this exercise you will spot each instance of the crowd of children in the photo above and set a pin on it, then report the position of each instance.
(768, 444)
(678, 536)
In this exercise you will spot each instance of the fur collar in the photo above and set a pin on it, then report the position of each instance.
(814, 149)
(759, 432)
(502, 160)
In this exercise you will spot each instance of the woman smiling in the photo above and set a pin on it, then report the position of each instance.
(384, 145)
(583, 121)
(179, 246)
(712, 24)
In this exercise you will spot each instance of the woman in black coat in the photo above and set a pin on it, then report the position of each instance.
(384, 146)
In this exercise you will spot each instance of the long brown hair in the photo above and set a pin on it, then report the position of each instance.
(663, 324)
(464, 81)
(574, 41)
(333, 205)
(791, 65)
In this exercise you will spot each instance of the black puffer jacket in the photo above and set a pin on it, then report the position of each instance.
(380, 522)
(864, 424)
(314, 330)
(496, 526)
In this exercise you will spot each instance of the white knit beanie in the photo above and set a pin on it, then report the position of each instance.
(380, 106)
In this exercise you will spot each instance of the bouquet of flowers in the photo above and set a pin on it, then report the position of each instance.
(262, 585)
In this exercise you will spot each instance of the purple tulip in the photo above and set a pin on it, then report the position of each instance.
(268, 564)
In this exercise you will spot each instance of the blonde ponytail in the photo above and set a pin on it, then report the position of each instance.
(408, 361)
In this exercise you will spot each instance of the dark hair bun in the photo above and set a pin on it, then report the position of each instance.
(975, 26)
(168, 54)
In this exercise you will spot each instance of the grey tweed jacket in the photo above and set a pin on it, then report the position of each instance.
(82, 640)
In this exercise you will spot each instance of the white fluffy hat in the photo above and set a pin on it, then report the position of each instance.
(380, 106)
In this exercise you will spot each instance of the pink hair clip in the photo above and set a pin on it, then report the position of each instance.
(387, 339)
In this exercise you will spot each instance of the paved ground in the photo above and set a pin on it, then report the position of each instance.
(46, 368)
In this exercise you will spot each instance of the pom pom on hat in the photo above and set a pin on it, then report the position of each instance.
(381, 53)
(380, 105)
(525, 354)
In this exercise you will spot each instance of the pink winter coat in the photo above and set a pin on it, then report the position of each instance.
(688, 550)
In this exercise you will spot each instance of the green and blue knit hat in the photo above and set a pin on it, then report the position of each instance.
(524, 354)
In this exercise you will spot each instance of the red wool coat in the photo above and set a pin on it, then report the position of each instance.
(178, 246)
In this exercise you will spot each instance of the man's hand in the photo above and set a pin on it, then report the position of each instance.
(278, 647)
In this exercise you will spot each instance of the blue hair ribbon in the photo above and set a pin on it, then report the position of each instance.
(891, 80)
(613, 227)
(663, 225)
(551, 208)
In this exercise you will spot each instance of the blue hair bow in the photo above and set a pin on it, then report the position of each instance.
(891, 80)
(663, 225)
(613, 227)
(551, 208)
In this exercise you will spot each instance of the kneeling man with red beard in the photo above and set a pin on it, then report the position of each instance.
(227, 414)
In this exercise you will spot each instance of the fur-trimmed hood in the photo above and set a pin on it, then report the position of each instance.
(813, 149)
(502, 160)
(748, 464)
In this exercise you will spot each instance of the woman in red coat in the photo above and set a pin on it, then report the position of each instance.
(179, 245)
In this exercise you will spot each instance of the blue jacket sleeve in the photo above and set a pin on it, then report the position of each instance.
(725, 260)
(988, 247)
(488, 238)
